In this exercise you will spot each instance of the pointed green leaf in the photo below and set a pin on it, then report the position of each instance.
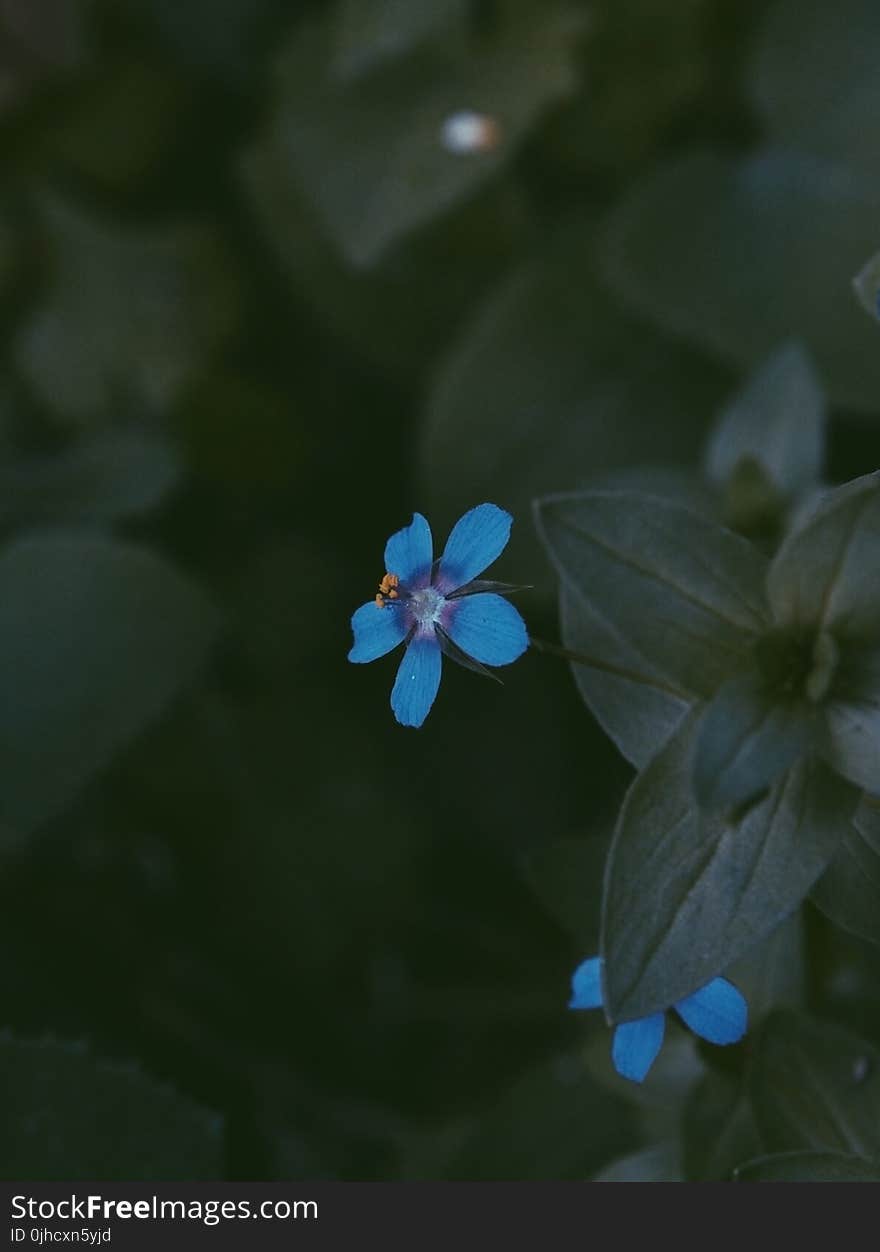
(854, 738)
(852, 707)
(130, 318)
(371, 155)
(747, 738)
(632, 700)
(808, 1167)
(678, 590)
(630, 591)
(738, 256)
(827, 573)
(96, 637)
(67, 1115)
(777, 420)
(849, 890)
(368, 32)
(814, 77)
(867, 286)
(815, 1086)
(716, 885)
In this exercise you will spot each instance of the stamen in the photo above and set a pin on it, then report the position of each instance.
(387, 590)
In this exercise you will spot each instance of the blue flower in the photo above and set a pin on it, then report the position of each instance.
(717, 1012)
(440, 606)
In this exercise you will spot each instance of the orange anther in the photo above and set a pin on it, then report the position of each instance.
(387, 590)
(388, 583)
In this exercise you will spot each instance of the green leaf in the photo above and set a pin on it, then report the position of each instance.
(130, 318)
(370, 31)
(777, 420)
(67, 1115)
(852, 712)
(826, 575)
(814, 76)
(668, 599)
(849, 890)
(716, 885)
(113, 475)
(685, 593)
(96, 637)
(631, 700)
(815, 1087)
(371, 156)
(747, 738)
(550, 387)
(867, 286)
(738, 256)
(808, 1167)
(659, 1163)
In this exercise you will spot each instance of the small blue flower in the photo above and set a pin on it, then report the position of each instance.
(440, 606)
(717, 1012)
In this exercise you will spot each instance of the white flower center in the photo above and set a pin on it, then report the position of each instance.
(425, 605)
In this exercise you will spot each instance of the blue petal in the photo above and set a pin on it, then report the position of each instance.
(586, 985)
(477, 539)
(377, 631)
(417, 681)
(636, 1045)
(486, 627)
(717, 1012)
(410, 552)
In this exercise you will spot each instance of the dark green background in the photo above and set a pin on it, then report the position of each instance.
(302, 917)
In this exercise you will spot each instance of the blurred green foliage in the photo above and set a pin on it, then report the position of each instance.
(254, 311)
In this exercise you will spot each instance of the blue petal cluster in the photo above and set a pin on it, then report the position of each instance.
(717, 1012)
(437, 607)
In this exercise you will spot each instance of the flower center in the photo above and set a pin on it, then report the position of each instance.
(424, 605)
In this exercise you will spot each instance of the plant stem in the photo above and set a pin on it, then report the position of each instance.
(606, 667)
